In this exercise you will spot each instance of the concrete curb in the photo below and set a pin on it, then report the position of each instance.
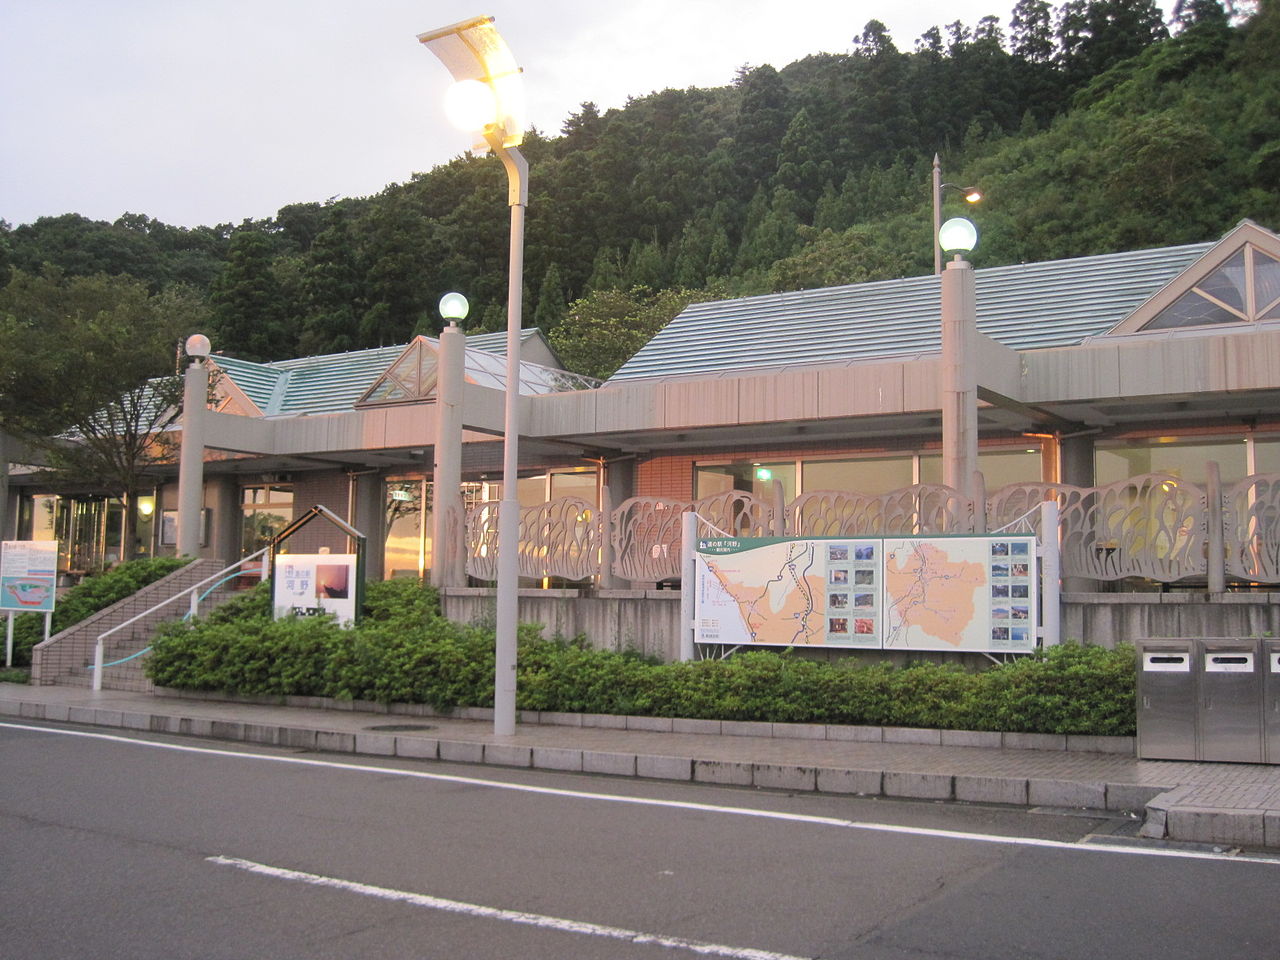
(1119, 746)
(1171, 812)
(924, 785)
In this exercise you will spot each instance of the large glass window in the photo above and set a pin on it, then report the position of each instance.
(999, 467)
(752, 476)
(1266, 455)
(406, 533)
(870, 475)
(266, 510)
(1180, 458)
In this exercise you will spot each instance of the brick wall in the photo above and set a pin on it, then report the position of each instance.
(328, 489)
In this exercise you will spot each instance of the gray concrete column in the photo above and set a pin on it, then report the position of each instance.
(448, 524)
(959, 378)
(1075, 464)
(191, 460)
(369, 518)
(1076, 461)
(222, 497)
(616, 485)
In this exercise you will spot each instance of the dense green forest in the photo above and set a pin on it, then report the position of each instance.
(1091, 127)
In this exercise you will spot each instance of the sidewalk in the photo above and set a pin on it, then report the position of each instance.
(1223, 803)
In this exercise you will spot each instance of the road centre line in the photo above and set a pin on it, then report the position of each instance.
(784, 816)
(497, 913)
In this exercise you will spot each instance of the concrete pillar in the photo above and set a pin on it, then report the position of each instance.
(619, 483)
(1075, 459)
(448, 523)
(191, 460)
(959, 378)
(368, 517)
(222, 498)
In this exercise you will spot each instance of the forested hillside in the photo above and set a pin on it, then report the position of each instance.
(1092, 127)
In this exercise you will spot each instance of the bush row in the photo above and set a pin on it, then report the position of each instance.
(93, 593)
(405, 652)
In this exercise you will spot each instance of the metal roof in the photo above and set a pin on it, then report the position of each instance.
(332, 383)
(1024, 306)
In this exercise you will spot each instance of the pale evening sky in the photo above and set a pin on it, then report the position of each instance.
(210, 111)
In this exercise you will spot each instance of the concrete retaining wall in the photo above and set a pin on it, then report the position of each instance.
(648, 620)
(643, 620)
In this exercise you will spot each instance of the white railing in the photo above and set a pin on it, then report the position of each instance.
(195, 596)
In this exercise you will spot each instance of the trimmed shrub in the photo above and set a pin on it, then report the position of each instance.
(403, 651)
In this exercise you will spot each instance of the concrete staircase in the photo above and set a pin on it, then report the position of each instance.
(65, 657)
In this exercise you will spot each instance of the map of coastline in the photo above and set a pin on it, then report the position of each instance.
(779, 592)
(932, 594)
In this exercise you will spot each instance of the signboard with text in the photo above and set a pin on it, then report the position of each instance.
(28, 575)
(970, 593)
(313, 584)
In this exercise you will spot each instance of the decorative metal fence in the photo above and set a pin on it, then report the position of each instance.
(1155, 527)
(924, 509)
(557, 539)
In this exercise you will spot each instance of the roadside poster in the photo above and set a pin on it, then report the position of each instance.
(28, 575)
(313, 584)
(973, 593)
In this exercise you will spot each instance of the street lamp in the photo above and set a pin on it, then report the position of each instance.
(488, 98)
(971, 195)
(959, 375)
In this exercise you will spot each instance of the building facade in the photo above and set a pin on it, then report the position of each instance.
(1151, 378)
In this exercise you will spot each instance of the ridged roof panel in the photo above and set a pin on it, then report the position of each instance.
(1024, 306)
(332, 383)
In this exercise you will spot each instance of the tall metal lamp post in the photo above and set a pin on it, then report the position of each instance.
(971, 194)
(488, 98)
(959, 376)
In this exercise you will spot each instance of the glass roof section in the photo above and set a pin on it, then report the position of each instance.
(411, 377)
(1245, 289)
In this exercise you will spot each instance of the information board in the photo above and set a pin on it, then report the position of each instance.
(895, 593)
(28, 575)
(312, 584)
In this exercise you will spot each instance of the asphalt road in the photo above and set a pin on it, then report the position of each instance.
(113, 846)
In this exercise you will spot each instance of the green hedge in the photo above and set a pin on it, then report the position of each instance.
(405, 652)
(93, 593)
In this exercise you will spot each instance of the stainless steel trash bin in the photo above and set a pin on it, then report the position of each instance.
(1271, 701)
(1166, 700)
(1230, 702)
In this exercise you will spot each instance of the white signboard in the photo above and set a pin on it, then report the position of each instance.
(920, 593)
(28, 575)
(311, 584)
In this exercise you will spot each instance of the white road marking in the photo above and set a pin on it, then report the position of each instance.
(1074, 846)
(510, 916)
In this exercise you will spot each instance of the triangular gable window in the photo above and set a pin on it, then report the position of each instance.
(1244, 289)
(412, 377)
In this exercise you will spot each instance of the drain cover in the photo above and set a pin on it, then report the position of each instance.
(401, 727)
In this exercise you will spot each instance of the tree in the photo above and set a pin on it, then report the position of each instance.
(551, 305)
(87, 377)
(763, 117)
(1031, 31)
(602, 330)
(248, 305)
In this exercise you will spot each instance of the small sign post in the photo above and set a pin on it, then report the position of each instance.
(28, 583)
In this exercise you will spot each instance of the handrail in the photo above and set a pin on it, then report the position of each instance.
(100, 644)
